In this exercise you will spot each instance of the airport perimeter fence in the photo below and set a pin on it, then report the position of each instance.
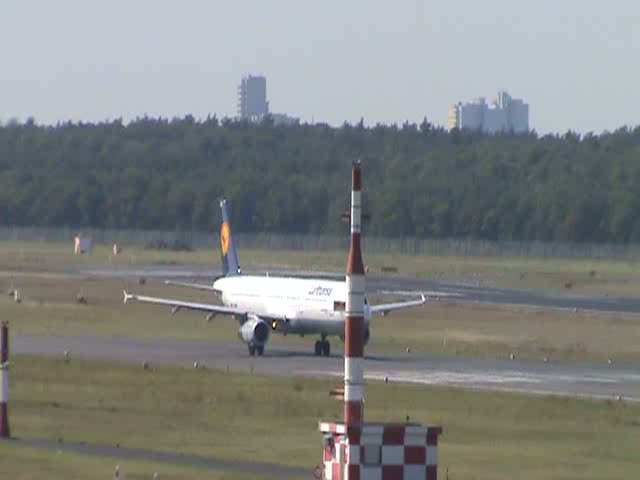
(273, 241)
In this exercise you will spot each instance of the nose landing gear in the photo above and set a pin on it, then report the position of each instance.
(322, 347)
(253, 349)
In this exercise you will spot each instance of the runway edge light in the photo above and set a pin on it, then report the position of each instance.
(353, 449)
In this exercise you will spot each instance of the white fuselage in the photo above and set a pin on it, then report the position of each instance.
(299, 305)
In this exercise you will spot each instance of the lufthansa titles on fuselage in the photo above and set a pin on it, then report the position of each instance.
(321, 291)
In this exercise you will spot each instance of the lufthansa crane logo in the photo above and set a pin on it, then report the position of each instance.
(225, 238)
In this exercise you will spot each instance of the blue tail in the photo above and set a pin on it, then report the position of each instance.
(230, 265)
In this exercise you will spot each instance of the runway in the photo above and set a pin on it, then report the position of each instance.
(399, 285)
(591, 380)
(598, 381)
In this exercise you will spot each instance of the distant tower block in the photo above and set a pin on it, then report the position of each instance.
(354, 449)
(252, 98)
(502, 114)
(4, 381)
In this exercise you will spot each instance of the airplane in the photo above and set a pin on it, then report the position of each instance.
(285, 305)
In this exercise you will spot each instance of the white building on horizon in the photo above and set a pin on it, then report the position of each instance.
(252, 98)
(253, 105)
(502, 114)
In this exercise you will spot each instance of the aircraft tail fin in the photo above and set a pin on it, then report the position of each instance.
(230, 264)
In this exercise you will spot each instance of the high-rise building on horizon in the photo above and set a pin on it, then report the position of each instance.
(253, 105)
(502, 114)
(252, 98)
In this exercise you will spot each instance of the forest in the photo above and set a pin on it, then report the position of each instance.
(419, 180)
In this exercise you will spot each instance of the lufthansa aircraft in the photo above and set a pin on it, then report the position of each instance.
(265, 304)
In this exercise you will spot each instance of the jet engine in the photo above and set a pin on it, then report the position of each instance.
(255, 331)
(367, 335)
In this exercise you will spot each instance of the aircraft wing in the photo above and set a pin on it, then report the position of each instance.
(385, 308)
(198, 286)
(179, 304)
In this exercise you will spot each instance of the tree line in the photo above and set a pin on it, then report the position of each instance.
(419, 180)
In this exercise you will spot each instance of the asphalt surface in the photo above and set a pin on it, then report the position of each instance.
(582, 379)
(503, 296)
(394, 284)
(600, 381)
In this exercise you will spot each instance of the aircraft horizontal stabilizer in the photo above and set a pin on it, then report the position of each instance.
(197, 286)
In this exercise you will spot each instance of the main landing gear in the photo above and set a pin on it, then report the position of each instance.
(323, 347)
(253, 349)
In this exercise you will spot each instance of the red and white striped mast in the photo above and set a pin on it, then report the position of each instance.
(4, 381)
(354, 323)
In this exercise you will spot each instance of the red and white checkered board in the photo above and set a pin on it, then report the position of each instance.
(381, 452)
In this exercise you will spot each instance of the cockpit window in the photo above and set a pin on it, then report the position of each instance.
(341, 306)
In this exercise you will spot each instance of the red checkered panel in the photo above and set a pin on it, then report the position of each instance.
(381, 452)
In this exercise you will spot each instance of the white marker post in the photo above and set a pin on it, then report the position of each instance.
(4, 381)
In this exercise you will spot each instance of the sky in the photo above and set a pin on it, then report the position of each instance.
(574, 61)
